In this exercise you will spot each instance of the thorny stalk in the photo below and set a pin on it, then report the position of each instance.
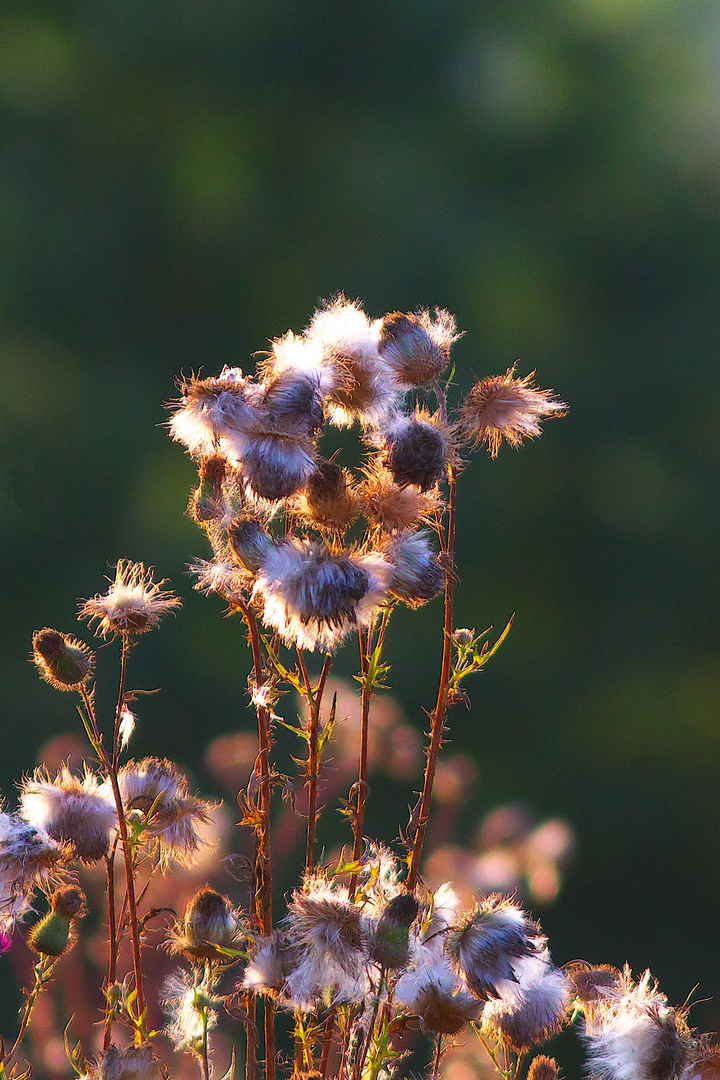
(314, 700)
(439, 713)
(127, 854)
(112, 941)
(263, 857)
(369, 677)
(42, 974)
(124, 653)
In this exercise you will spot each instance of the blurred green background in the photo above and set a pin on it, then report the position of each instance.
(181, 180)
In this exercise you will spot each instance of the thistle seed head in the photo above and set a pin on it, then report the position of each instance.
(417, 449)
(416, 346)
(276, 465)
(543, 1068)
(133, 604)
(503, 407)
(210, 925)
(416, 575)
(366, 389)
(172, 815)
(211, 410)
(250, 543)
(314, 598)
(487, 941)
(328, 501)
(78, 813)
(389, 507)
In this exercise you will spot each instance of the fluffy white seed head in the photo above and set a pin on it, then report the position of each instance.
(531, 1008)
(367, 389)
(314, 598)
(78, 813)
(173, 817)
(133, 604)
(632, 1033)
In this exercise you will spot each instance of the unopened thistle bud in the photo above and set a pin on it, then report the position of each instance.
(328, 500)
(417, 449)
(593, 982)
(463, 637)
(417, 346)
(416, 573)
(78, 813)
(133, 604)
(391, 935)
(250, 543)
(210, 925)
(62, 661)
(208, 502)
(503, 407)
(52, 935)
(543, 1068)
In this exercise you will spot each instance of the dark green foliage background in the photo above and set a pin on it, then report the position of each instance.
(180, 181)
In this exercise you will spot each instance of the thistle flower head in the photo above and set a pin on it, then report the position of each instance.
(62, 661)
(530, 1008)
(172, 815)
(633, 1034)
(390, 507)
(328, 501)
(314, 598)
(28, 858)
(416, 345)
(277, 464)
(132, 1063)
(416, 575)
(191, 1007)
(297, 377)
(431, 990)
(208, 503)
(212, 409)
(543, 1068)
(366, 389)
(249, 542)
(78, 813)
(133, 604)
(325, 928)
(53, 934)
(486, 942)
(417, 449)
(210, 929)
(503, 407)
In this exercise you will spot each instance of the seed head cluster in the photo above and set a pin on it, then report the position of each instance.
(257, 444)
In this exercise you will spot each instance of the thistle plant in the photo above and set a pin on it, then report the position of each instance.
(313, 553)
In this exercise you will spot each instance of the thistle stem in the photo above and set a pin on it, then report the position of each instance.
(313, 765)
(124, 652)
(439, 714)
(263, 860)
(112, 942)
(127, 853)
(42, 977)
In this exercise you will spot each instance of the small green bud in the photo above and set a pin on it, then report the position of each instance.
(51, 936)
(61, 660)
(391, 944)
(463, 638)
(249, 543)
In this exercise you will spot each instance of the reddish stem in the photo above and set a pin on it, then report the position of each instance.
(439, 714)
